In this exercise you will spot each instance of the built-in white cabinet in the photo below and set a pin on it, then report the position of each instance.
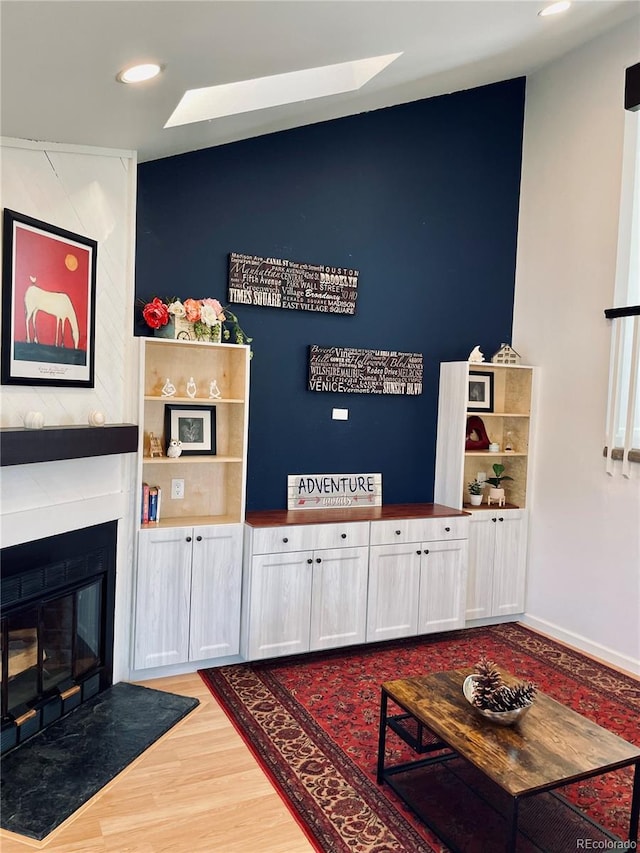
(329, 584)
(497, 563)
(496, 579)
(417, 578)
(299, 599)
(189, 562)
(188, 594)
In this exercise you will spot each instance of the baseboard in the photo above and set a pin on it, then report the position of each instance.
(601, 653)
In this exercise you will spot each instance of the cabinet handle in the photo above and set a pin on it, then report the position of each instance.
(285, 539)
(188, 539)
(198, 538)
(494, 520)
(309, 561)
(398, 532)
(426, 551)
(501, 519)
(447, 530)
(318, 560)
(343, 535)
(418, 552)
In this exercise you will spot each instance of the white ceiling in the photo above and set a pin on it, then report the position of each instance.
(59, 59)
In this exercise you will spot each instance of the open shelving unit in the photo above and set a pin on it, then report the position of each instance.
(214, 484)
(510, 421)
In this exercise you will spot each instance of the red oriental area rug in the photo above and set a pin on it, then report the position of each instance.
(312, 723)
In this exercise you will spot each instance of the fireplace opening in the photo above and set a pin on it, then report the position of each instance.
(56, 627)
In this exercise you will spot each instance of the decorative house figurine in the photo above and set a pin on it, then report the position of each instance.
(168, 389)
(214, 391)
(505, 355)
(191, 388)
(174, 449)
(155, 446)
(476, 356)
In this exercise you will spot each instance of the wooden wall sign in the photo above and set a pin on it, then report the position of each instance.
(326, 491)
(278, 283)
(364, 371)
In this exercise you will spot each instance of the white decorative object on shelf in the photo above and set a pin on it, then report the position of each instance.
(34, 420)
(175, 448)
(214, 391)
(506, 355)
(168, 389)
(191, 388)
(95, 418)
(476, 356)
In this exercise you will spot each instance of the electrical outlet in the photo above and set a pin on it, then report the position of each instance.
(177, 490)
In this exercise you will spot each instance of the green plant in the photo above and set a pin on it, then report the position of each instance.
(499, 476)
(476, 487)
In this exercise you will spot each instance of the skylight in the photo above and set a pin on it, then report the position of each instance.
(261, 93)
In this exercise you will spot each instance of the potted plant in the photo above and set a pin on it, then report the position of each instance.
(475, 492)
(496, 492)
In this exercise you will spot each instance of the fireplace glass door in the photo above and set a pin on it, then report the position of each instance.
(51, 645)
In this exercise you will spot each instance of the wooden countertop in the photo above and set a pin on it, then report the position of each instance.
(280, 517)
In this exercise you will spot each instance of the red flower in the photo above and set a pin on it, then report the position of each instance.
(155, 313)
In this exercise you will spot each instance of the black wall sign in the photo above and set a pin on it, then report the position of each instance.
(278, 283)
(364, 371)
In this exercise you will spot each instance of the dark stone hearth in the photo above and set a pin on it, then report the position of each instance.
(50, 776)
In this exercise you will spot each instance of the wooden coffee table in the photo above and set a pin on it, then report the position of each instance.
(549, 747)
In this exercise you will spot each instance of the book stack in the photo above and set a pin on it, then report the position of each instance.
(151, 497)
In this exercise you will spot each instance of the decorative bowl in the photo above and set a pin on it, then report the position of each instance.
(501, 718)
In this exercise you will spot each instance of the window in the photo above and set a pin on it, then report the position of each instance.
(623, 414)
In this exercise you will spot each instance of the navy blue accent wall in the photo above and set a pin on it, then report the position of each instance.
(421, 198)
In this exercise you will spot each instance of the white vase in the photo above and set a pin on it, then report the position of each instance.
(475, 500)
(496, 496)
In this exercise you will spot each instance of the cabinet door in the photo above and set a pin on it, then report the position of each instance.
(280, 606)
(162, 597)
(443, 574)
(216, 582)
(509, 563)
(394, 577)
(339, 597)
(482, 542)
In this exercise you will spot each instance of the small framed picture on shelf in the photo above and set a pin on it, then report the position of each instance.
(480, 392)
(193, 426)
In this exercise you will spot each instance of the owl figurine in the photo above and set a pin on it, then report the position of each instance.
(175, 448)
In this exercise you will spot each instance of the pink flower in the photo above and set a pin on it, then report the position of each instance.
(216, 307)
(192, 310)
(155, 313)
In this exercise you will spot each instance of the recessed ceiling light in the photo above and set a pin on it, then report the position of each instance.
(554, 8)
(247, 95)
(139, 73)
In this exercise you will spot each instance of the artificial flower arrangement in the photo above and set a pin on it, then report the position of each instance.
(203, 313)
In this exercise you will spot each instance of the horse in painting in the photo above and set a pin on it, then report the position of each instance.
(59, 305)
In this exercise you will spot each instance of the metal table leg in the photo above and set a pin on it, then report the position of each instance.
(512, 830)
(382, 736)
(635, 804)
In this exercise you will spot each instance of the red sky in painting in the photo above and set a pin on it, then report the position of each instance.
(40, 256)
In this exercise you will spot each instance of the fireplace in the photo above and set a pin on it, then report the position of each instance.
(56, 618)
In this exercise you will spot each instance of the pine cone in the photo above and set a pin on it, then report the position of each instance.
(509, 698)
(487, 680)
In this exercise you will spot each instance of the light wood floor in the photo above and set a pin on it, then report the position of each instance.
(197, 790)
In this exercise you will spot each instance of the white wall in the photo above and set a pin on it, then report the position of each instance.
(90, 192)
(584, 566)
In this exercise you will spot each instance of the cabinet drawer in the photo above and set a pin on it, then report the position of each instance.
(418, 530)
(308, 537)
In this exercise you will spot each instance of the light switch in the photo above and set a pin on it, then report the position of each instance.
(340, 414)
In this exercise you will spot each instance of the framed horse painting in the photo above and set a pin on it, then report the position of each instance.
(48, 304)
